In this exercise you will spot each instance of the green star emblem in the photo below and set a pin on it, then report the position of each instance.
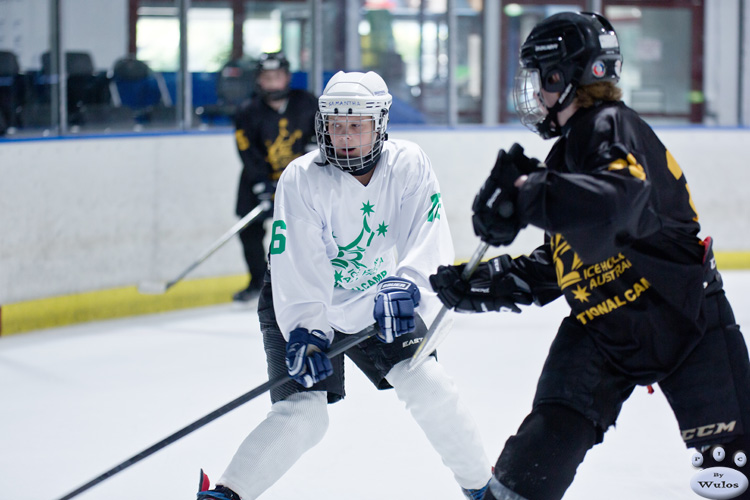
(367, 209)
(382, 229)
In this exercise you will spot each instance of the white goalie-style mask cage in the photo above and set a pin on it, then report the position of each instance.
(352, 121)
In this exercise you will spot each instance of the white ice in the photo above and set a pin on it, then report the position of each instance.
(76, 401)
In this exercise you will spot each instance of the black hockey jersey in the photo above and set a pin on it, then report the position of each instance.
(621, 240)
(268, 140)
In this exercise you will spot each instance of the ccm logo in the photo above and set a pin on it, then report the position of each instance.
(708, 430)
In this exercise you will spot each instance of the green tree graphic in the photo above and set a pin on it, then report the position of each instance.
(350, 255)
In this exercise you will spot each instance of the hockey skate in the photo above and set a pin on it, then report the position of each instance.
(218, 493)
(246, 295)
(477, 494)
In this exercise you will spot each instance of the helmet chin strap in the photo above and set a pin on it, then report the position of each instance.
(551, 127)
(366, 169)
(360, 171)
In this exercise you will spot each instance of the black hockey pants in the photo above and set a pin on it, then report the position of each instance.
(712, 386)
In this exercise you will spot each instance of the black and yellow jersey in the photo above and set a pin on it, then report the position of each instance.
(267, 140)
(621, 240)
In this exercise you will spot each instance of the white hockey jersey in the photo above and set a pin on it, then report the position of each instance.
(333, 239)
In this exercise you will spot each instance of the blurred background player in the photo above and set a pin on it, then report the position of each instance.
(357, 229)
(274, 128)
(647, 302)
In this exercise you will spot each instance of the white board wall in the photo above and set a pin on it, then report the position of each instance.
(89, 214)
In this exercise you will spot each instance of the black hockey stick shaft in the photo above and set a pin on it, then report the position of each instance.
(339, 348)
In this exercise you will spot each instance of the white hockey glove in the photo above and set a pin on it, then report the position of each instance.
(264, 190)
(306, 359)
(394, 307)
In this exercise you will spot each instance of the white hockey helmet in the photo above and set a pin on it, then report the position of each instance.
(357, 97)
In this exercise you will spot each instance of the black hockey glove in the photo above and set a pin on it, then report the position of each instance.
(490, 288)
(496, 220)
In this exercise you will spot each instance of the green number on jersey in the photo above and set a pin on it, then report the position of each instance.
(278, 240)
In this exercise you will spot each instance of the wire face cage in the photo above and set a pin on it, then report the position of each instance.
(351, 142)
(527, 95)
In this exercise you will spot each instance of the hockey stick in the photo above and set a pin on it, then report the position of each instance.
(435, 335)
(154, 288)
(339, 348)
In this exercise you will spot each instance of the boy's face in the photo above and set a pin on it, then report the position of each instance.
(351, 136)
(550, 98)
(274, 79)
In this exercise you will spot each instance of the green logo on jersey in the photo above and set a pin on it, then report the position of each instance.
(349, 259)
(434, 212)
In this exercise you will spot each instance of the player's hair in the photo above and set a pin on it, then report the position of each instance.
(588, 95)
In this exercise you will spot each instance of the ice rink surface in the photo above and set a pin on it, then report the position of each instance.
(76, 401)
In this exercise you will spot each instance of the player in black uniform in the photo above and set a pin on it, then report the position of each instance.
(621, 244)
(274, 128)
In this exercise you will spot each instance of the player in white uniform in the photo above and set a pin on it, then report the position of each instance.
(358, 228)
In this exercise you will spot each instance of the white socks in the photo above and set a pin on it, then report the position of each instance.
(292, 427)
(432, 398)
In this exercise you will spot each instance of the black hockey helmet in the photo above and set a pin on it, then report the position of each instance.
(560, 54)
(271, 61)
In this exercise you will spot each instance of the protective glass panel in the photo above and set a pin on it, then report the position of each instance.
(656, 77)
(402, 44)
(469, 62)
(48, 41)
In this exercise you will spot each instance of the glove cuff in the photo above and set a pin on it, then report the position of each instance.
(320, 340)
(392, 283)
(499, 267)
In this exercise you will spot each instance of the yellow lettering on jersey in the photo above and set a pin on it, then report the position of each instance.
(637, 290)
(606, 271)
(610, 304)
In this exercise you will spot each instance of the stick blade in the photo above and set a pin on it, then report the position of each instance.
(152, 288)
